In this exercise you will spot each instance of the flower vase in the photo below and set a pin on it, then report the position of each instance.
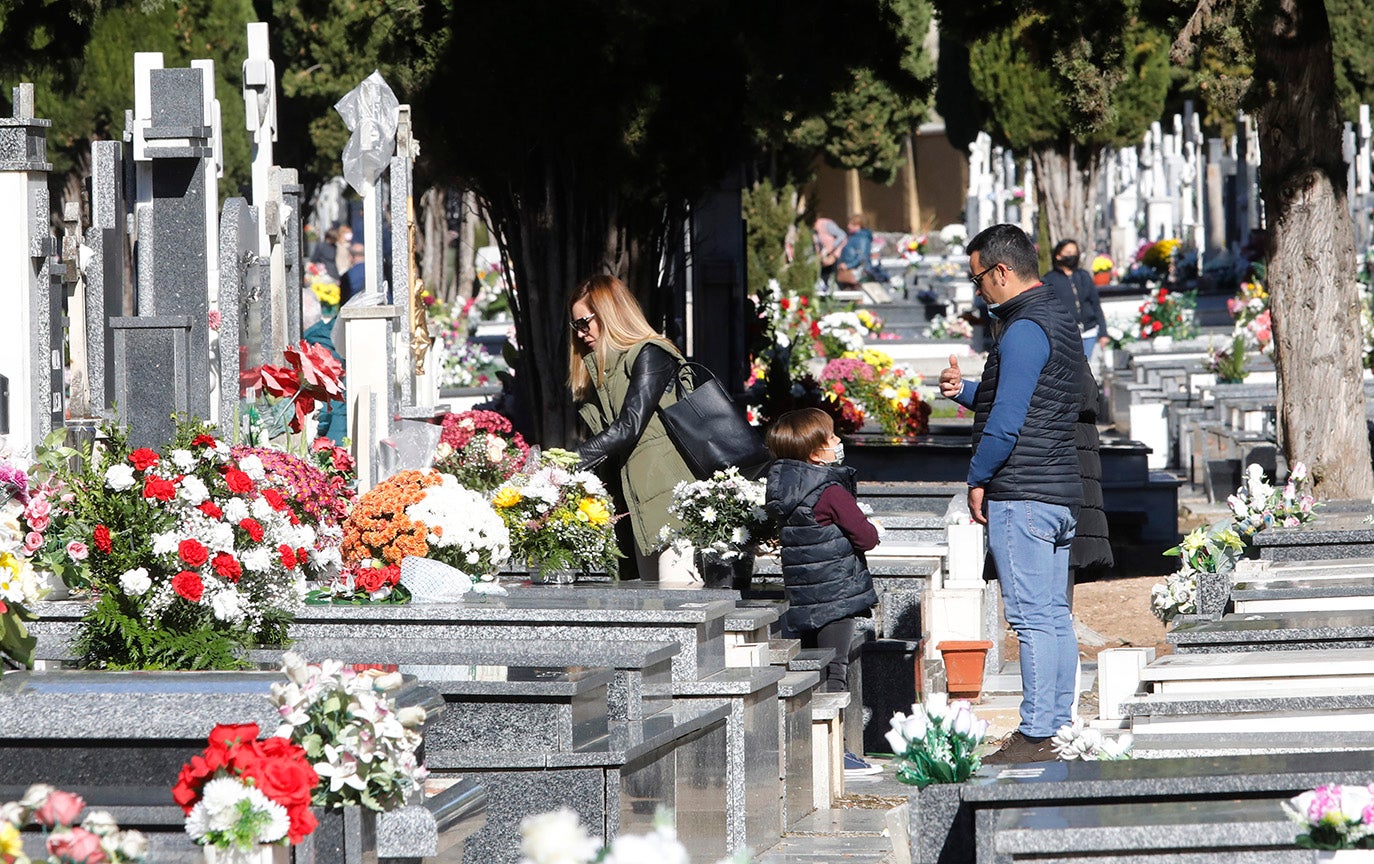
(964, 661)
(718, 573)
(345, 835)
(262, 853)
(540, 574)
(1163, 343)
(1102, 278)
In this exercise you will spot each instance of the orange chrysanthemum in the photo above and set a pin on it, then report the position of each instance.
(378, 526)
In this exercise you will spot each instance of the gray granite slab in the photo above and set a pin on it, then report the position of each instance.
(1274, 699)
(642, 682)
(1277, 631)
(1297, 589)
(733, 681)
(811, 659)
(1155, 826)
(948, 820)
(748, 619)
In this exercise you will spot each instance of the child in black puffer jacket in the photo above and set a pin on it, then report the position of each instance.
(824, 536)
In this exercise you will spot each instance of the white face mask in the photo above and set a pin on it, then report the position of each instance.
(838, 450)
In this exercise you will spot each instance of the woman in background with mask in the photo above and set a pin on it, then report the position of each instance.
(1076, 292)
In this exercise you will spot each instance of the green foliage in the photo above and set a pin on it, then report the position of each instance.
(325, 48)
(85, 85)
(1351, 23)
(179, 642)
(1041, 88)
(769, 216)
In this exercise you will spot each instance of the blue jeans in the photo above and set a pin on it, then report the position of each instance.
(1029, 541)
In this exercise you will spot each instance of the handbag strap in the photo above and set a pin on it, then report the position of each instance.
(698, 373)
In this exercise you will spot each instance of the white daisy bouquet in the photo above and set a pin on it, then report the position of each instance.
(560, 838)
(360, 743)
(721, 516)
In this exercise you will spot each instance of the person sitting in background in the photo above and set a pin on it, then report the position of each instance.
(856, 264)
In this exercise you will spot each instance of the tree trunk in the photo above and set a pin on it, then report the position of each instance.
(435, 240)
(853, 193)
(1065, 177)
(910, 195)
(466, 253)
(1311, 273)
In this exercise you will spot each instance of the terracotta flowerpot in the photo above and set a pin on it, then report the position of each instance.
(1103, 278)
(964, 666)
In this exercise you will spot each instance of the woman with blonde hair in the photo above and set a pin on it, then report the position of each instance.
(620, 370)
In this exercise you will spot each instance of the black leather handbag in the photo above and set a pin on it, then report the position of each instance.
(707, 428)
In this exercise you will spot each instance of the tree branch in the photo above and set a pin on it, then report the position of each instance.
(1206, 11)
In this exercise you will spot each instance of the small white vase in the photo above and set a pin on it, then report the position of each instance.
(1164, 343)
(262, 853)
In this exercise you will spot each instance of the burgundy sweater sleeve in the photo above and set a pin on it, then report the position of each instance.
(837, 507)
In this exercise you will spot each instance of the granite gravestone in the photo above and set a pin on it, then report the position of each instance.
(237, 238)
(105, 272)
(174, 150)
(31, 351)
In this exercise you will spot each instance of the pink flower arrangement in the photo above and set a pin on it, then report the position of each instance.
(480, 449)
(97, 840)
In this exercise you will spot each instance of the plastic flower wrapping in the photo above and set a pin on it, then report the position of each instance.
(721, 516)
(97, 839)
(559, 837)
(938, 742)
(360, 743)
(559, 517)
(427, 515)
(243, 791)
(1077, 741)
(481, 449)
(1334, 817)
(189, 555)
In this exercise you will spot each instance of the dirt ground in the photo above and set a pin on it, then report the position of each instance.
(1119, 610)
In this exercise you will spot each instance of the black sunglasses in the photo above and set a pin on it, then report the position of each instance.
(583, 324)
(976, 278)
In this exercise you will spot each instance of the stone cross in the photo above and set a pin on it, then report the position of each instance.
(260, 115)
(31, 334)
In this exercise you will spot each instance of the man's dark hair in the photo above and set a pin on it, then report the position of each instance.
(1009, 245)
(1059, 247)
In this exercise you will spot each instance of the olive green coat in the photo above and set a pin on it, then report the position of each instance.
(654, 466)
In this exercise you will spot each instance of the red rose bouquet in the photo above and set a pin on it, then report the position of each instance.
(190, 556)
(242, 791)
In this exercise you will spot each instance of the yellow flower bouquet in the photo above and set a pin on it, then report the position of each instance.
(559, 518)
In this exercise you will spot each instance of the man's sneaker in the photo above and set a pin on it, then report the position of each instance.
(854, 766)
(1020, 749)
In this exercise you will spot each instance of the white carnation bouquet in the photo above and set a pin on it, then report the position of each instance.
(465, 531)
(721, 516)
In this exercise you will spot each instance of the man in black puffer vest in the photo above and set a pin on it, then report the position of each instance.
(1023, 479)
